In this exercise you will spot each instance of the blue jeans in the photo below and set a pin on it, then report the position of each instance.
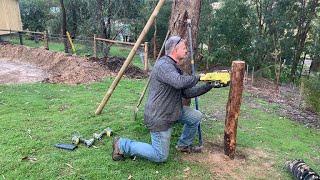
(158, 150)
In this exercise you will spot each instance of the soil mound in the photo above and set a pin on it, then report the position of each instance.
(68, 69)
(114, 64)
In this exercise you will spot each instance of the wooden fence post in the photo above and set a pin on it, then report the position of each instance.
(247, 74)
(146, 49)
(252, 75)
(94, 46)
(233, 108)
(20, 38)
(46, 40)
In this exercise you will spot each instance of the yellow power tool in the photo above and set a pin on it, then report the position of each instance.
(219, 78)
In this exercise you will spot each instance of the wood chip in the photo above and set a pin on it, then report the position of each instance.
(31, 159)
(69, 165)
(186, 169)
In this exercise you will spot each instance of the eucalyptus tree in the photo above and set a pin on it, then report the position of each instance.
(34, 14)
(231, 32)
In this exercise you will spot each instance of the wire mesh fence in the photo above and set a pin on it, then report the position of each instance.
(80, 45)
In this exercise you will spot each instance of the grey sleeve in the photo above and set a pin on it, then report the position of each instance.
(168, 74)
(196, 91)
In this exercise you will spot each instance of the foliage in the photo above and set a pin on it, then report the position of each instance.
(253, 30)
(34, 14)
(312, 92)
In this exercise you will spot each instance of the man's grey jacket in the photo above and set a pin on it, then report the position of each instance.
(167, 87)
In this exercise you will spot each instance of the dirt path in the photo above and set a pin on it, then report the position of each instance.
(14, 73)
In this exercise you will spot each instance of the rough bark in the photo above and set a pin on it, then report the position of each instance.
(74, 13)
(64, 27)
(108, 34)
(100, 18)
(181, 11)
(233, 108)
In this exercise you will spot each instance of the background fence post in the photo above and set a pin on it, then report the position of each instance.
(252, 75)
(20, 38)
(146, 56)
(94, 46)
(46, 40)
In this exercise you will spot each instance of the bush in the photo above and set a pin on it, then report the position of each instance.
(312, 92)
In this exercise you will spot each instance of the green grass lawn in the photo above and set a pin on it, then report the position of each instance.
(34, 117)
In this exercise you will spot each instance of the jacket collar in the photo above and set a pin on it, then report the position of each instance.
(171, 59)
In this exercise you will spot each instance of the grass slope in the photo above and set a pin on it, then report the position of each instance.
(34, 117)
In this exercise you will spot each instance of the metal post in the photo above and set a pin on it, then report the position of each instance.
(193, 73)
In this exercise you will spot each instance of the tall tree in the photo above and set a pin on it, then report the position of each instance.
(100, 18)
(307, 12)
(64, 26)
(180, 12)
(34, 14)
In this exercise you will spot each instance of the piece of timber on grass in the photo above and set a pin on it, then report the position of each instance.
(233, 108)
(130, 57)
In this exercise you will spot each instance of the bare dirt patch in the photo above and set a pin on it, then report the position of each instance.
(248, 163)
(62, 68)
(14, 72)
(288, 98)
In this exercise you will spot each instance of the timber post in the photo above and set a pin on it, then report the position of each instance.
(46, 40)
(20, 38)
(252, 75)
(146, 51)
(94, 46)
(233, 108)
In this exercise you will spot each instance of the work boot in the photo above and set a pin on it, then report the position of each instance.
(116, 154)
(189, 149)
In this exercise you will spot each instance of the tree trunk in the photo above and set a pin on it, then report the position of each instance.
(109, 20)
(64, 27)
(181, 11)
(74, 14)
(307, 14)
(100, 18)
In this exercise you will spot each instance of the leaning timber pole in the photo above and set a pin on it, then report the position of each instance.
(233, 108)
(130, 56)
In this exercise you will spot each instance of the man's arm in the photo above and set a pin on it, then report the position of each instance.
(196, 91)
(168, 74)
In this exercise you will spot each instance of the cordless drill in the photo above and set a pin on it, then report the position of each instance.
(76, 139)
(106, 131)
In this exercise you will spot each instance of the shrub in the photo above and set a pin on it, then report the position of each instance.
(312, 92)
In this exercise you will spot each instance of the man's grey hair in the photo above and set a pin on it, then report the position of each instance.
(171, 43)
